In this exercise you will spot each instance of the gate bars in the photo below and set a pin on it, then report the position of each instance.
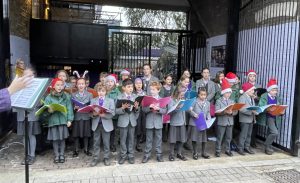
(268, 42)
(130, 50)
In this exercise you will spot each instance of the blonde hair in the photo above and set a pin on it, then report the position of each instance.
(101, 87)
(156, 84)
(67, 75)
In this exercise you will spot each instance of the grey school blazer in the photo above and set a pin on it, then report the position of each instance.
(197, 108)
(177, 117)
(107, 119)
(211, 88)
(246, 116)
(154, 119)
(147, 87)
(224, 119)
(87, 97)
(125, 118)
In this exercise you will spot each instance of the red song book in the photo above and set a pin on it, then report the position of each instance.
(148, 100)
(91, 108)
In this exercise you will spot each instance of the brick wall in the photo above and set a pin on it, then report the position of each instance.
(19, 14)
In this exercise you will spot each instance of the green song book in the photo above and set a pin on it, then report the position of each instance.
(55, 107)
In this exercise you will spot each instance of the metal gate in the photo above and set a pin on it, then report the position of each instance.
(268, 41)
(191, 53)
(131, 51)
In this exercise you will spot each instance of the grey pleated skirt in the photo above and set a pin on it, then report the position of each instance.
(34, 128)
(81, 128)
(58, 132)
(177, 134)
(195, 135)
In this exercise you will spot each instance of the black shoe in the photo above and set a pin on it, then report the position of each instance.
(88, 153)
(249, 151)
(94, 162)
(195, 156)
(241, 152)
(145, 159)
(160, 159)
(187, 146)
(254, 145)
(121, 161)
(30, 160)
(218, 154)
(205, 156)
(61, 159)
(106, 162)
(75, 154)
(138, 148)
(171, 157)
(180, 156)
(56, 159)
(131, 160)
(229, 153)
(113, 148)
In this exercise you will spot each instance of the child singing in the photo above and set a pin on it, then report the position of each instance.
(200, 106)
(81, 127)
(177, 133)
(154, 124)
(57, 121)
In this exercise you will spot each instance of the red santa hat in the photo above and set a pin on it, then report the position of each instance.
(53, 82)
(125, 72)
(247, 87)
(225, 87)
(112, 77)
(272, 84)
(251, 71)
(231, 77)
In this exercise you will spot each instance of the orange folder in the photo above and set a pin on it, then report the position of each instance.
(233, 107)
(277, 110)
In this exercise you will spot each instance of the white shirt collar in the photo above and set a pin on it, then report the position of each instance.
(271, 96)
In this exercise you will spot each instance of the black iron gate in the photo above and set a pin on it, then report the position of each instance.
(191, 53)
(130, 50)
(268, 42)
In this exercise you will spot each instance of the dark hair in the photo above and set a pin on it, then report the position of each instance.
(186, 69)
(84, 79)
(127, 82)
(147, 65)
(202, 89)
(205, 68)
(166, 76)
(217, 80)
(87, 77)
(103, 74)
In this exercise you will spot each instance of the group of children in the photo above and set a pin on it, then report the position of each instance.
(137, 124)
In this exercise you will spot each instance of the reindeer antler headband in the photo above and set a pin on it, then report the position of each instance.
(78, 76)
